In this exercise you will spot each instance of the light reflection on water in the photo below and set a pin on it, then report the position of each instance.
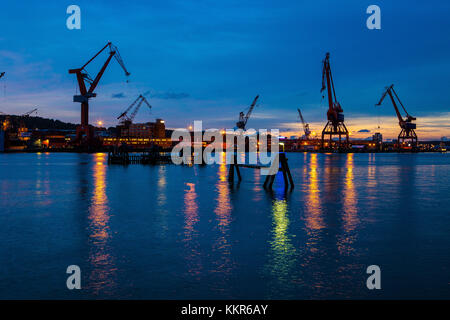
(191, 218)
(178, 231)
(282, 254)
(221, 245)
(350, 214)
(103, 269)
(314, 219)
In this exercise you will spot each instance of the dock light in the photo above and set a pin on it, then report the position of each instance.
(190, 127)
(282, 144)
(100, 123)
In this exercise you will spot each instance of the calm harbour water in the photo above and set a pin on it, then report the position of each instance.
(178, 232)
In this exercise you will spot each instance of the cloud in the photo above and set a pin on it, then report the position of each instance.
(119, 95)
(170, 95)
(364, 130)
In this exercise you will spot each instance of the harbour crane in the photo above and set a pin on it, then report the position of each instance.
(407, 126)
(305, 125)
(335, 125)
(243, 118)
(126, 119)
(26, 114)
(85, 93)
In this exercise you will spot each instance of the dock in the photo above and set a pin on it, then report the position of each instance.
(125, 158)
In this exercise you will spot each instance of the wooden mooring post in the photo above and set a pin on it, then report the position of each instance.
(268, 182)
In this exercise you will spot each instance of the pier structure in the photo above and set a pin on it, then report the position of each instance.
(268, 182)
(123, 157)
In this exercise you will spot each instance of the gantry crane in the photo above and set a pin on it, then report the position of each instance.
(127, 120)
(86, 94)
(305, 125)
(407, 126)
(243, 118)
(335, 125)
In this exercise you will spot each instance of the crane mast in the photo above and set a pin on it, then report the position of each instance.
(87, 93)
(407, 126)
(335, 116)
(305, 125)
(243, 118)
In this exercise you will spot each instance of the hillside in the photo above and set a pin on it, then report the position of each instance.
(37, 122)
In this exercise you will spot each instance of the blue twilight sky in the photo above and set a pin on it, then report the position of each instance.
(207, 59)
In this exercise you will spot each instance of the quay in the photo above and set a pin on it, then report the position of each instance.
(125, 158)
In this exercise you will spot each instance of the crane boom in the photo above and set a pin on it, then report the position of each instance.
(143, 100)
(388, 91)
(138, 102)
(26, 114)
(392, 94)
(305, 125)
(252, 106)
(123, 114)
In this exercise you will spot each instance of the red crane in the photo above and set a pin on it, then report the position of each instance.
(335, 125)
(407, 126)
(85, 93)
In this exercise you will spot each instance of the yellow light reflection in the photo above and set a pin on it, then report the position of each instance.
(190, 210)
(191, 218)
(350, 210)
(314, 219)
(102, 276)
(350, 215)
(221, 245)
(282, 253)
(223, 208)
